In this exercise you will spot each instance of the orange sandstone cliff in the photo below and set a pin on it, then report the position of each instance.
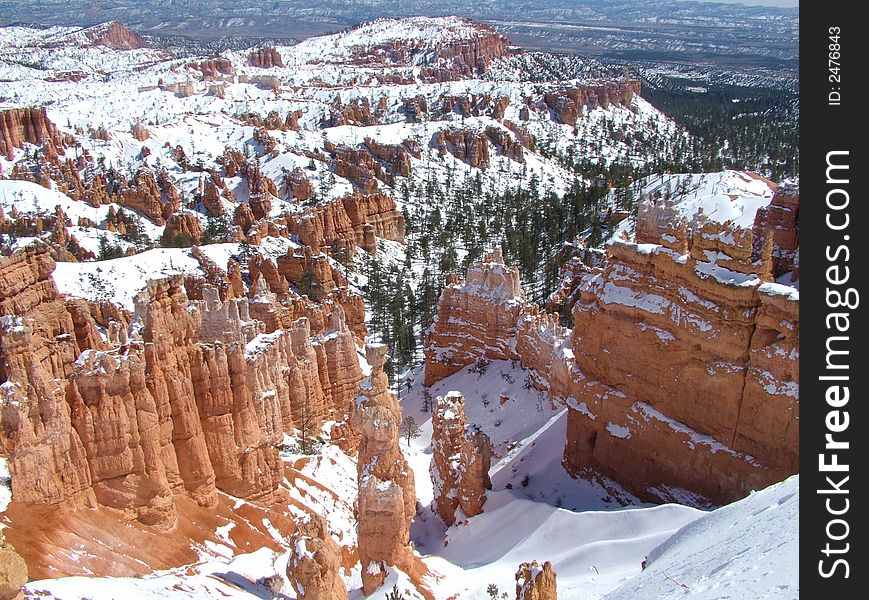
(681, 372)
(155, 419)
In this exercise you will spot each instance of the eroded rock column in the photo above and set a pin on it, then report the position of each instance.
(387, 497)
(315, 560)
(461, 457)
(535, 582)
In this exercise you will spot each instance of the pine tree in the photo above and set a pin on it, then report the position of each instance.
(409, 429)
(305, 421)
(427, 400)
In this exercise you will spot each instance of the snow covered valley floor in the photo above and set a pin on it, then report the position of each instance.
(535, 511)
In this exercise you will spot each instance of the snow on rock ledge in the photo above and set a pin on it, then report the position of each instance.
(681, 373)
(475, 319)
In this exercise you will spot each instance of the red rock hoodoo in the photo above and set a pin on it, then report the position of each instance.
(265, 58)
(461, 456)
(535, 582)
(195, 396)
(387, 497)
(315, 560)
(19, 125)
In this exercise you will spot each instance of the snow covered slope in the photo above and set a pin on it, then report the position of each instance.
(748, 549)
(724, 196)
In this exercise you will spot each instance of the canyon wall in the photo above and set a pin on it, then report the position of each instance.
(676, 365)
(477, 318)
(681, 372)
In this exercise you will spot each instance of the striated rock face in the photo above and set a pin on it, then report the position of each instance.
(476, 55)
(169, 337)
(472, 56)
(243, 218)
(184, 226)
(358, 167)
(29, 299)
(522, 134)
(377, 210)
(297, 185)
(568, 104)
(156, 198)
(19, 125)
(196, 397)
(475, 319)
(116, 418)
(344, 220)
(13, 571)
(242, 421)
(265, 58)
(781, 218)
(213, 67)
(314, 563)
(534, 582)
(461, 457)
(113, 34)
(505, 143)
(387, 500)
(705, 369)
(46, 458)
(710, 375)
(358, 111)
(220, 278)
(469, 146)
(266, 269)
(474, 473)
(260, 206)
(682, 369)
(313, 274)
(373, 161)
(211, 198)
(37, 348)
(396, 157)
